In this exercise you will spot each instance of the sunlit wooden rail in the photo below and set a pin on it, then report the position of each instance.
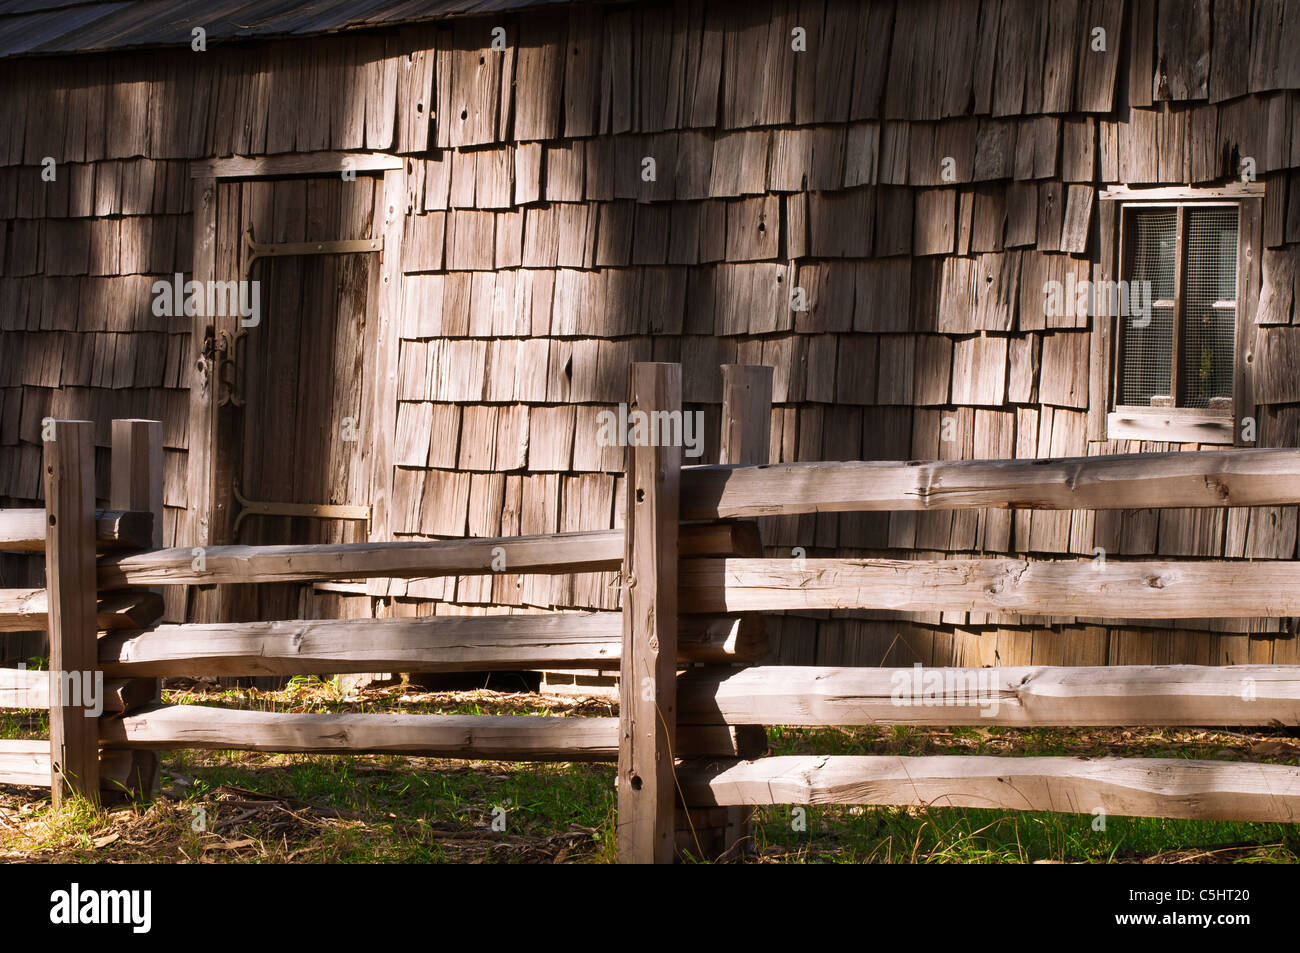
(689, 642)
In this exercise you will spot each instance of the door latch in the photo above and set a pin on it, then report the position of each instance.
(229, 376)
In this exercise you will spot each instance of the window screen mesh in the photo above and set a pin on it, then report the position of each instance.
(1210, 307)
(1149, 249)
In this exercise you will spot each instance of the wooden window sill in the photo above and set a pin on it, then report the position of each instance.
(1169, 424)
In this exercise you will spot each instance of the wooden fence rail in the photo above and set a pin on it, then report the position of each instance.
(1119, 482)
(132, 652)
(27, 763)
(426, 644)
(480, 737)
(595, 551)
(688, 740)
(30, 689)
(1138, 787)
(27, 610)
(1092, 588)
(23, 530)
(1037, 696)
(1114, 589)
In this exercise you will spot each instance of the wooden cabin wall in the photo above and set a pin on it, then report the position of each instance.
(539, 261)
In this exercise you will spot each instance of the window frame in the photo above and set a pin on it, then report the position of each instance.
(1185, 424)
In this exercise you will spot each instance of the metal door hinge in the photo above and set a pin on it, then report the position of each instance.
(325, 511)
(228, 375)
(255, 250)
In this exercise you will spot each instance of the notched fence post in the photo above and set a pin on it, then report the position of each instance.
(70, 582)
(720, 833)
(647, 794)
(136, 484)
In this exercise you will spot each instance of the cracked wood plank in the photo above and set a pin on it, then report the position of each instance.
(1135, 787)
(23, 610)
(424, 644)
(494, 737)
(1130, 589)
(23, 530)
(1125, 481)
(1020, 696)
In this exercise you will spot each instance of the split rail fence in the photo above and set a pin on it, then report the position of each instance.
(689, 730)
(101, 608)
(659, 701)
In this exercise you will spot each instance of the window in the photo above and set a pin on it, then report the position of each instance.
(1176, 309)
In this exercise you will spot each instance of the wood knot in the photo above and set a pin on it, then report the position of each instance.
(1217, 487)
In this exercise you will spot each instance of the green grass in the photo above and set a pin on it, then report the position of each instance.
(23, 724)
(386, 809)
(973, 836)
(850, 834)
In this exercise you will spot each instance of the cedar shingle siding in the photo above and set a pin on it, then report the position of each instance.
(539, 259)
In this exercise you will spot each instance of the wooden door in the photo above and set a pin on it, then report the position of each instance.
(303, 375)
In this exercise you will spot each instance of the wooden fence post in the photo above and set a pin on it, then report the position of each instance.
(647, 795)
(136, 484)
(746, 438)
(70, 583)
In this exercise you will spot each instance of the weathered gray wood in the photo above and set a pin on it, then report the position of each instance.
(23, 610)
(1124, 481)
(383, 416)
(592, 551)
(200, 457)
(1129, 589)
(1250, 244)
(1232, 190)
(717, 741)
(496, 737)
(1100, 380)
(25, 688)
(1021, 696)
(318, 647)
(24, 530)
(129, 609)
(1174, 425)
(565, 552)
(25, 762)
(647, 670)
(726, 538)
(136, 473)
(30, 688)
(487, 737)
(745, 439)
(1138, 787)
(128, 694)
(423, 644)
(725, 639)
(309, 163)
(70, 581)
(136, 483)
(746, 429)
(28, 763)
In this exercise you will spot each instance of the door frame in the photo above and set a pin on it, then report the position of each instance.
(209, 466)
